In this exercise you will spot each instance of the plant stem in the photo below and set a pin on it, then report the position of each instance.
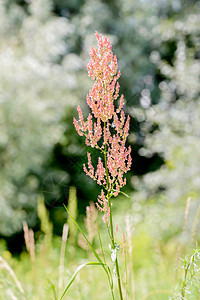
(109, 279)
(111, 234)
(113, 245)
(184, 281)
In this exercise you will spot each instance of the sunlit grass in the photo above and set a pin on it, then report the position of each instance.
(153, 262)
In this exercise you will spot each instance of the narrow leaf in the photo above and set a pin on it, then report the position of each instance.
(126, 195)
(53, 289)
(76, 273)
(92, 248)
(105, 266)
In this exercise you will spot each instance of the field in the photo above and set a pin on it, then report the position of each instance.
(152, 260)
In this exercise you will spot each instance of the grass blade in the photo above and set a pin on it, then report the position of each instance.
(53, 289)
(76, 273)
(92, 248)
(126, 195)
(105, 266)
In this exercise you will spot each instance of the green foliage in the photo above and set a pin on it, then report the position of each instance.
(44, 49)
(170, 126)
(188, 288)
(76, 273)
(35, 79)
(153, 267)
(177, 114)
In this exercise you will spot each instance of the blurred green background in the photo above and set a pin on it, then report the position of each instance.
(44, 51)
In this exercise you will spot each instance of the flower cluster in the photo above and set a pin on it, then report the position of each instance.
(106, 127)
(102, 205)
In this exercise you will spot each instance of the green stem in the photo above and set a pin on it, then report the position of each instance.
(105, 158)
(105, 267)
(109, 279)
(111, 234)
(184, 282)
(104, 259)
(113, 246)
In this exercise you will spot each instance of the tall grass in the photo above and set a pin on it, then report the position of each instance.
(148, 276)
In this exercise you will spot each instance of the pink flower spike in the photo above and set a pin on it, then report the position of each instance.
(80, 116)
(121, 103)
(100, 173)
(106, 128)
(102, 205)
(75, 122)
(90, 166)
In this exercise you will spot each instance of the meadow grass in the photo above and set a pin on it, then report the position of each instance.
(151, 261)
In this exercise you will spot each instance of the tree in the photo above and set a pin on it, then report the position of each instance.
(37, 85)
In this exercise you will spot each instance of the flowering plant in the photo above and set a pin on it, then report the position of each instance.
(106, 129)
(117, 158)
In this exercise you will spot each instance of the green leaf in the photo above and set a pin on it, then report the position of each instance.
(105, 266)
(53, 289)
(76, 273)
(92, 248)
(122, 193)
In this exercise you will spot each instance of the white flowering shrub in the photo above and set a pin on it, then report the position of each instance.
(36, 87)
(174, 122)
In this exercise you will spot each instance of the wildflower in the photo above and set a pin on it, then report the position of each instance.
(102, 205)
(106, 128)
